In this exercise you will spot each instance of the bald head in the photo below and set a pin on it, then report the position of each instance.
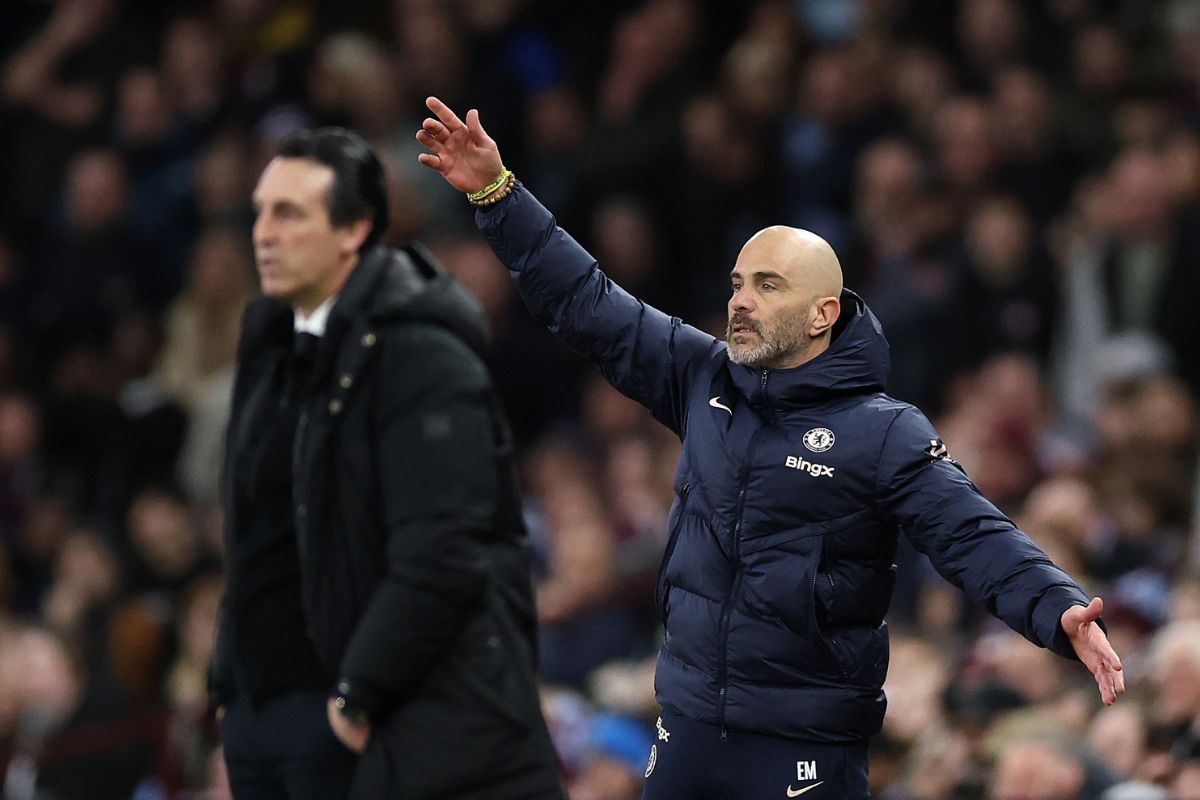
(786, 288)
(804, 259)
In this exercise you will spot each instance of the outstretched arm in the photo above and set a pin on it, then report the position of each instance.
(977, 548)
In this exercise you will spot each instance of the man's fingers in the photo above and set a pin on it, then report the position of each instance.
(1111, 690)
(443, 112)
(435, 129)
(431, 141)
(1111, 681)
(475, 128)
(430, 160)
(1084, 615)
(1117, 673)
(1109, 659)
(1104, 683)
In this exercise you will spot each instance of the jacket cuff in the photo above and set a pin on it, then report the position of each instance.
(1047, 618)
(516, 228)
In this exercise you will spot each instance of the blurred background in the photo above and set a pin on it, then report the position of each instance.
(1013, 186)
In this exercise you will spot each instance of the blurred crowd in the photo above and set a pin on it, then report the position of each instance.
(1014, 187)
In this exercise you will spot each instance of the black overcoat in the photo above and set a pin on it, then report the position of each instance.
(414, 559)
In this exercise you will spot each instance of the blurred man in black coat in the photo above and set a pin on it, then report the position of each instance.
(376, 638)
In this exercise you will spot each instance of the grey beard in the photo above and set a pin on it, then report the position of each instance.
(768, 349)
(786, 339)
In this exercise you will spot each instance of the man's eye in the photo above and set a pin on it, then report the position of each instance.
(734, 288)
(768, 287)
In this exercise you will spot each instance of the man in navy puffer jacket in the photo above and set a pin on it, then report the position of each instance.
(797, 475)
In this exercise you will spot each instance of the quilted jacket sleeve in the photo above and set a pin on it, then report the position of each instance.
(970, 542)
(646, 354)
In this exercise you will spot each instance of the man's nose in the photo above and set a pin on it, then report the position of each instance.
(741, 301)
(263, 231)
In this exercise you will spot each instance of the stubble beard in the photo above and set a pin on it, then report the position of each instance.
(775, 344)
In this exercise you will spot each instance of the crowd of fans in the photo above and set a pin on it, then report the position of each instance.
(1013, 187)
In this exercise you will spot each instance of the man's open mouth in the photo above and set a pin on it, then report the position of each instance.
(742, 326)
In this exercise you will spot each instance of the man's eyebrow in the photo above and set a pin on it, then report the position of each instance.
(283, 202)
(759, 275)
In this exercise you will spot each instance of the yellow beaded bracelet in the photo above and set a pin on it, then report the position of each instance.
(505, 174)
(499, 194)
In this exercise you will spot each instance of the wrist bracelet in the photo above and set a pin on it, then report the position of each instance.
(505, 174)
(497, 194)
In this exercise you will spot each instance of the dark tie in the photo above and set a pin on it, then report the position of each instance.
(304, 355)
(304, 347)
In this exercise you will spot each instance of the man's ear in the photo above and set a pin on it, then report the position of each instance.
(825, 314)
(353, 235)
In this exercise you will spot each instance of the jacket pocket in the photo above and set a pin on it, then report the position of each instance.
(661, 586)
(491, 667)
(824, 607)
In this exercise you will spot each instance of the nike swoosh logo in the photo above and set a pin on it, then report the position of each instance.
(797, 792)
(716, 403)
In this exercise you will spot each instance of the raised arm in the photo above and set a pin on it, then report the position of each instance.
(646, 354)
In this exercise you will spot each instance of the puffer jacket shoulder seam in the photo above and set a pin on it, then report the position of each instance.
(875, 495)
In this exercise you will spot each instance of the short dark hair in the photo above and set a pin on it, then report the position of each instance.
(359, 189)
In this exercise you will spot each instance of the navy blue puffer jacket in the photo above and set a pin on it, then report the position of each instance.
(793, 487)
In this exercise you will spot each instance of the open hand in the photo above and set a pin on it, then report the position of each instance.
(461, 152)
(1093, 649)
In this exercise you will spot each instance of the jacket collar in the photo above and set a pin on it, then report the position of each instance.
(384, 284)
(270, 323)
(857, 362)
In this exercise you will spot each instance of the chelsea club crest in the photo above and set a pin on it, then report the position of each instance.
(819, 439)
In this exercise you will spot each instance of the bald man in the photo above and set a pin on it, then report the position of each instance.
(797, 476)
(805, 269)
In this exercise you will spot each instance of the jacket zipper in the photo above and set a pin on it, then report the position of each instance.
(661, 585)
(727, 609)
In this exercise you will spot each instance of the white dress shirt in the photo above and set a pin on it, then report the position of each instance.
(314, 323)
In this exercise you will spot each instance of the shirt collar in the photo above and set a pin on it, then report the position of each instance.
(314, 323)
